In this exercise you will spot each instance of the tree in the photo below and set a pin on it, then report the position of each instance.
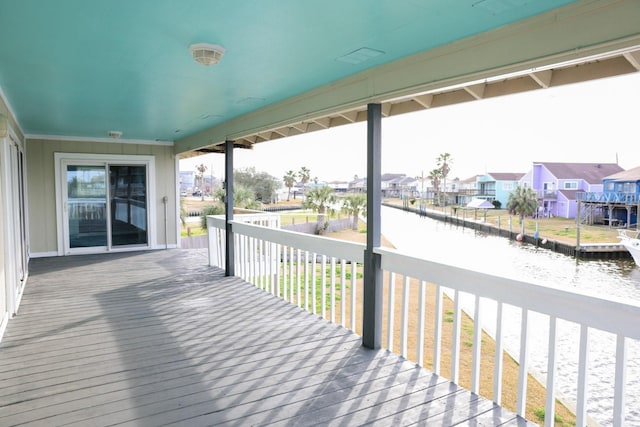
(444, 161)
(201, 169)
(435, 177)
(289, 181)
(243, 198)
(523, 201)
(262, 184)
(353, 204)
(320, 199)
(304, 174)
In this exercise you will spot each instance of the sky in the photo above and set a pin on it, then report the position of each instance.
(594, 121)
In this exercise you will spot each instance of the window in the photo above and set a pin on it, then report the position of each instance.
(507, 186)
(570, 185)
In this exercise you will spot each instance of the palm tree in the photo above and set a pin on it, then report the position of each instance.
(304, 175)
(320, 199)
(201, 168)
(353, 204)
(523, 201)
(435, 176)
(444, 164)
(289, 181)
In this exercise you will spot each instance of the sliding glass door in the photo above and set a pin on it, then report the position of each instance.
(105, 206)
(128, 205)
(86, 206)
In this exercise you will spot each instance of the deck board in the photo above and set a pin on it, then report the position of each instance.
(159, 338)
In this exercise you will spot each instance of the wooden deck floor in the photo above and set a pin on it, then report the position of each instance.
(158, 338)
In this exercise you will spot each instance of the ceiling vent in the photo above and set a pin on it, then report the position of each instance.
(207, 54)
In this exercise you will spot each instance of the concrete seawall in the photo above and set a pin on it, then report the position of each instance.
(586, 251)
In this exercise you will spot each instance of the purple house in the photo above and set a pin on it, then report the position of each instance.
(557, 184)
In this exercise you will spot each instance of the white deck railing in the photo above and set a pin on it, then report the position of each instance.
(303, 269)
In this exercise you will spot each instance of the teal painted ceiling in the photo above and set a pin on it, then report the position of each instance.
(82, 68)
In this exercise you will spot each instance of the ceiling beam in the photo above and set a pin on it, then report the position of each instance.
(477, 91)
(351, 116)
(633, 58)
(543, 78)
(425, 100)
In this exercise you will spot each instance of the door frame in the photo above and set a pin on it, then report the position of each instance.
(62, 159)
(14, 213)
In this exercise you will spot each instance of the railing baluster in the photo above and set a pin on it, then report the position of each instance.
(550, 406)
(278, 253)
(247, 253)
(583, 369)
(306, 280)
(292, 267)
(218, 239)
(261, 272)
(332, 292)
(252, 259)
(269, 267)
(521, 405)
(343, 293)
(354, 284)
(323, 290)
(421, 314)
(314, 278)
(498, 358)
(405, 317)
(621, 381)
(298, 277)
(477, 342)
(437, 332)
(285, 275)
(241, 251)
(390, 307)
(455, 340)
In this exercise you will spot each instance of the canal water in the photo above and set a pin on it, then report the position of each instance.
(614, 279)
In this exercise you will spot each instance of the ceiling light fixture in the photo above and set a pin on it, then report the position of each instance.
(207, 54)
